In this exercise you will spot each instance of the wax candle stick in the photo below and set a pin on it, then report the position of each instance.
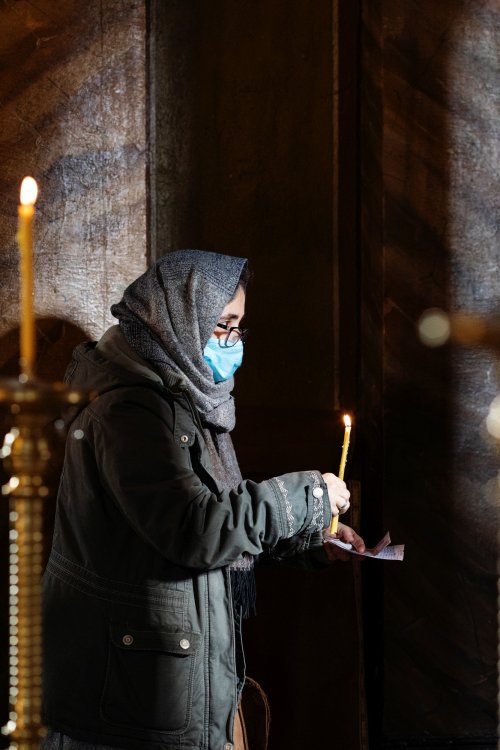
(343, 459)
(26, 213)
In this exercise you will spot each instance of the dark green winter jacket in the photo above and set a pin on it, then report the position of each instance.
(138, 619)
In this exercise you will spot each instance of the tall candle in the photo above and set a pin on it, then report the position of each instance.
(26, 213)
(345, 446)
(343, 459)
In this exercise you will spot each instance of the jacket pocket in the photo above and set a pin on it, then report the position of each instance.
(149, 678)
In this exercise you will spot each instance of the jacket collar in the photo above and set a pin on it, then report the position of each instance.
(113, 365)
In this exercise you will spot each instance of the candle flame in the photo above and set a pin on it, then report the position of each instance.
(29, 191)
(347, 420)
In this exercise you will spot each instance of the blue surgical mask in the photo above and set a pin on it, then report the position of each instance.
(223, 360)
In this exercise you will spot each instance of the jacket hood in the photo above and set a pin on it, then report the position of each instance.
(91, 370)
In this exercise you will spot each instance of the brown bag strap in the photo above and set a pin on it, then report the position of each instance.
(240, 733)
(253, 718)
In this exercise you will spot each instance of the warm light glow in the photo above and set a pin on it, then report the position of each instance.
(347, 420)
(434, 327)
(29, 191)
(11, 485)
(493, 418)
(11, 436)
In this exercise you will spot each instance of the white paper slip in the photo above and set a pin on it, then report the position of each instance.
(382, 551)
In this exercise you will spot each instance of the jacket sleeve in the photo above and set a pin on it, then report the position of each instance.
(149, 476)
(306, 552)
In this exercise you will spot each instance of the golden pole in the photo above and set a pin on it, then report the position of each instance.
(27, 453)
(32, 408)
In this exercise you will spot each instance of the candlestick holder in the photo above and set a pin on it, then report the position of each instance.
(32, 411)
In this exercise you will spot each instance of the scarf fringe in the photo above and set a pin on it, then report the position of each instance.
(244, 591)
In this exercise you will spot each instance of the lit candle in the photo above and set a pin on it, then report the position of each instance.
(26, 213)
(343, 459)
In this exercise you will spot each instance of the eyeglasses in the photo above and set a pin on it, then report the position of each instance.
(232, 335)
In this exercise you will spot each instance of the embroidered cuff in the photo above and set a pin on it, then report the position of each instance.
(286, 506)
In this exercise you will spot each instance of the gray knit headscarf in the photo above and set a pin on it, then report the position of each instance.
(167, 316)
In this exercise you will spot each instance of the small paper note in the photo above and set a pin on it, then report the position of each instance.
(382, 551)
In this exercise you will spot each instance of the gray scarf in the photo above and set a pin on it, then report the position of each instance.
(167, 316)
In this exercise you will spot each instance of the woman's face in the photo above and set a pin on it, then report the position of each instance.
(233, 311)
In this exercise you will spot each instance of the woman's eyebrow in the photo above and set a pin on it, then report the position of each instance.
(231, 316)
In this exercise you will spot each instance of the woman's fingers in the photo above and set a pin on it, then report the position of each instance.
(338, 493)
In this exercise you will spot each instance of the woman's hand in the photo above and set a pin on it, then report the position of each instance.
(346, 535)
(337, 493)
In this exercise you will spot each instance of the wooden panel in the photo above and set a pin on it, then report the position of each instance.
(73, 114)
(252, 176)
(440, 106)
(371, 345)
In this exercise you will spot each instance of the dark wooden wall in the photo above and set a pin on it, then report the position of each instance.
(430, 128)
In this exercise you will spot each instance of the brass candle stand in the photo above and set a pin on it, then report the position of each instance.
(33, 411)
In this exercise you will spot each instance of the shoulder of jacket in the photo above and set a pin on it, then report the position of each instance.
(172, 408)
(136, 396)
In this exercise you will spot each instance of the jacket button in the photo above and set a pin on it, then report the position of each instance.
(228, 746)
(184, 439)
(184, 643)
(127, 640)
(317, 492)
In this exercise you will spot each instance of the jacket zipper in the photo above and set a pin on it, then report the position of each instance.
(233, 638)
(197, 419)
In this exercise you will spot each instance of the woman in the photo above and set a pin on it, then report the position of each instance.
(156, 532)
